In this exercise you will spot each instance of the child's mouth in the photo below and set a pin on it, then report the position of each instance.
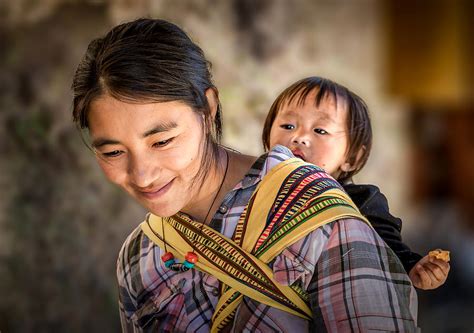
(299, 154)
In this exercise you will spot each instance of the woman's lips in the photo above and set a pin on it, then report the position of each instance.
(156, 193)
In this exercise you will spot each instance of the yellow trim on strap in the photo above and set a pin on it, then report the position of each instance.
(264, 199)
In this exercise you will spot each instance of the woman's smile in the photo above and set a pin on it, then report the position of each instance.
(155, 192)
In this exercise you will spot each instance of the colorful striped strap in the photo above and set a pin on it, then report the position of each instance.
(219, 256)
(292, 200)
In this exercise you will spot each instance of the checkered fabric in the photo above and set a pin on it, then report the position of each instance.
(355, 283)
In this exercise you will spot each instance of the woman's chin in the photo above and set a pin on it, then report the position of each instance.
(163, 211)
(163, 207)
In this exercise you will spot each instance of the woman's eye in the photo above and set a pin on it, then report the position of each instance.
(287, 126)
(162, 143)
(320, 131)
(113, 153)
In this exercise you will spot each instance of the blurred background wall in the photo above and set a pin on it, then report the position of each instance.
(62, 224)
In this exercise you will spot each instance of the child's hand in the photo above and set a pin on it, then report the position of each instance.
(429, 273)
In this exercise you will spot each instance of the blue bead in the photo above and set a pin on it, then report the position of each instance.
(168, 263)
(187, 264)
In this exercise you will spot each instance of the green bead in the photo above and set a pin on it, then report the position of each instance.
(187, 264)
(168, 263)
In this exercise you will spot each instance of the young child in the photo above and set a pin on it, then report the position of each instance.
(327, 125)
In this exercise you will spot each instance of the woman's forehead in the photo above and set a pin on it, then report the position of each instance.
(108, 114)
(112, 107)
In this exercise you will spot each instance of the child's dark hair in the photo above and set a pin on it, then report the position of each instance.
(146, 61)
(358, 121)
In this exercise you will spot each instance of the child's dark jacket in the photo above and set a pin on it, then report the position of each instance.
(374, 206)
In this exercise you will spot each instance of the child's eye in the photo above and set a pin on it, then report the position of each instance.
(113, 153)
(162, 143)
(320, 131)
(287, 126)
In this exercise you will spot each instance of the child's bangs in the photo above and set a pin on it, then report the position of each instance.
(324, 89)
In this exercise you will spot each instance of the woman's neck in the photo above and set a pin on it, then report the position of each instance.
(230, 168)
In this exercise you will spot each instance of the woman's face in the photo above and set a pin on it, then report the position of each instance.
(152, 150)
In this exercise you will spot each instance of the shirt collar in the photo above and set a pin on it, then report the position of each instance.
(263, 165)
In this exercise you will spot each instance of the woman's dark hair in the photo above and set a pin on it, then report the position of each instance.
(144, 61)
(358, 121)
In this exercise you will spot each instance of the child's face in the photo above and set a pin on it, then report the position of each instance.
(315, 134)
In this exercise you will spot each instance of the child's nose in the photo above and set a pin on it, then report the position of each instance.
(301, 139)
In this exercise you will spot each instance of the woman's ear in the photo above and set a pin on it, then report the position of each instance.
(347, 166)
(212, 96)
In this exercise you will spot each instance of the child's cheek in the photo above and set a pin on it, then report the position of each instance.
(276, 137)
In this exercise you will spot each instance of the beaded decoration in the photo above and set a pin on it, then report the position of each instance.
(191, 258)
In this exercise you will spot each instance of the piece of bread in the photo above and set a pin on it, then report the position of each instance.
(440, 254)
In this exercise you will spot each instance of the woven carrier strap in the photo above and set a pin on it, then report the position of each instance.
(292, 200)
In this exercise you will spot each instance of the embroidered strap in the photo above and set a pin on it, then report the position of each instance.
(292, 200)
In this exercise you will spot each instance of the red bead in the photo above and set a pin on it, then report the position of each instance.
(167, 256)
(191, 257)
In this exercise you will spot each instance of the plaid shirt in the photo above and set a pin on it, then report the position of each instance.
(354, 281)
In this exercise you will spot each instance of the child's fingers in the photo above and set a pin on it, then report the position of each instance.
(435, 271)
(443, 265)
(416, 280)
(425, 278)
(433, 278)
(415, 277)
(429, 273)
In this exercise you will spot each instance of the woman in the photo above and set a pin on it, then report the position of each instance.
(232, 242)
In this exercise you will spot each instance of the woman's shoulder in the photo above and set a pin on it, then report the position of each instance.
(132, 245)
(249, 170)
(281, 164)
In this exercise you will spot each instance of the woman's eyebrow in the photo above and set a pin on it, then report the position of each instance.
(159, 128)
(102, 142)
(162, 127)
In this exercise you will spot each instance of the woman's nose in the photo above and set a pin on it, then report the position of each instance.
(143, 172)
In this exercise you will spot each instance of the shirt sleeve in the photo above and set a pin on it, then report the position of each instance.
(127, 326)
(359, 284)
(127, 303)
(374, 206)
